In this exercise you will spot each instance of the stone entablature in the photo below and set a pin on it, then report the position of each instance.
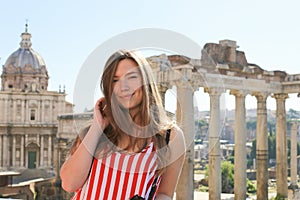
(218, 68)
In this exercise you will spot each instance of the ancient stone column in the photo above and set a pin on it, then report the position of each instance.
(162, 90)
(262, 175)
(281, 146)
(214, 177)
(185, 119)
(240, 154)
(294, 165)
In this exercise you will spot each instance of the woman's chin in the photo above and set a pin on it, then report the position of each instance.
(125, 106)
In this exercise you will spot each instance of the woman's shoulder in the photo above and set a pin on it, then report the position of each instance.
(175, 132)
(177, 144)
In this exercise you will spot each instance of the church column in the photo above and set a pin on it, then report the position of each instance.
(26, 156)
(294, 165)
(262, 175)
(5, 151)
(214, 178)
(185, 118)
(14, 110)
(23, 111)
(42, 151)
(38, 111)
(2, 108)
(1, 146)
(27, 111)
(49, 151)
(7, 108)
(281, 145)
(50, 118)
(13, 151)
(240, 154)
(22, 152)
(43, 110)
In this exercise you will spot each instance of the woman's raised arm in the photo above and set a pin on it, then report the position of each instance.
(75, 170)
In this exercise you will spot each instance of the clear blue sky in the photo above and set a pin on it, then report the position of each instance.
(64, 33)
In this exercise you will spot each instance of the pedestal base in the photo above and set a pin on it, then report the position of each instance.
(294, 194)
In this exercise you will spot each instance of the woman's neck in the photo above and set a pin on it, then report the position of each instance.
(132, 144)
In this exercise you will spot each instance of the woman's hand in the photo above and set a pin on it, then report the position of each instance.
(100, 120)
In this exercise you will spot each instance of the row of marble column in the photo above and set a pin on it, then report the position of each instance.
(185, 118)
(5, 153)
(240, 159)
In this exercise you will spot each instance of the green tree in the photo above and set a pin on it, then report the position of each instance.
(272, 147)
(227, 177)
(227, 169)
(200, 127)
(251, 125)
(293, 114)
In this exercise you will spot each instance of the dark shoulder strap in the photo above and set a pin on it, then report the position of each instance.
(154, 185)
(168, 136)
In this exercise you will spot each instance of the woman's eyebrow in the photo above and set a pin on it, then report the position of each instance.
(128, 73)
(131, 73)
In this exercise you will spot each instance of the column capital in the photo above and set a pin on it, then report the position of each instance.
(261, 96)
(214, 91)
(280, 96)
(294, 124)
(162, 88)
(239, 93)
(187, 85)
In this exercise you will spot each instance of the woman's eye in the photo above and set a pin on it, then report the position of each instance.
(132, 77)
(115, 80)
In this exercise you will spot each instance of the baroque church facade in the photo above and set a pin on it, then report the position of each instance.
(29, 112)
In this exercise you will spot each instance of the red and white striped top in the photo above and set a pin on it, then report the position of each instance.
(120, 176)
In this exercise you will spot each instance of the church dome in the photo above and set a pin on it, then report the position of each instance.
(25, 69)
(25, 55)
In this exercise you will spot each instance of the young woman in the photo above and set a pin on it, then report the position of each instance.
(126, 150)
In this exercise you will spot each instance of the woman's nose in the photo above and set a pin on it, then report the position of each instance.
(124, 86)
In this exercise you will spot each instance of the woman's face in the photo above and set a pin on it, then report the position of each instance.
(127, 84)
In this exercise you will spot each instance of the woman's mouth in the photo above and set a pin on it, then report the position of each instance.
(127, 96)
